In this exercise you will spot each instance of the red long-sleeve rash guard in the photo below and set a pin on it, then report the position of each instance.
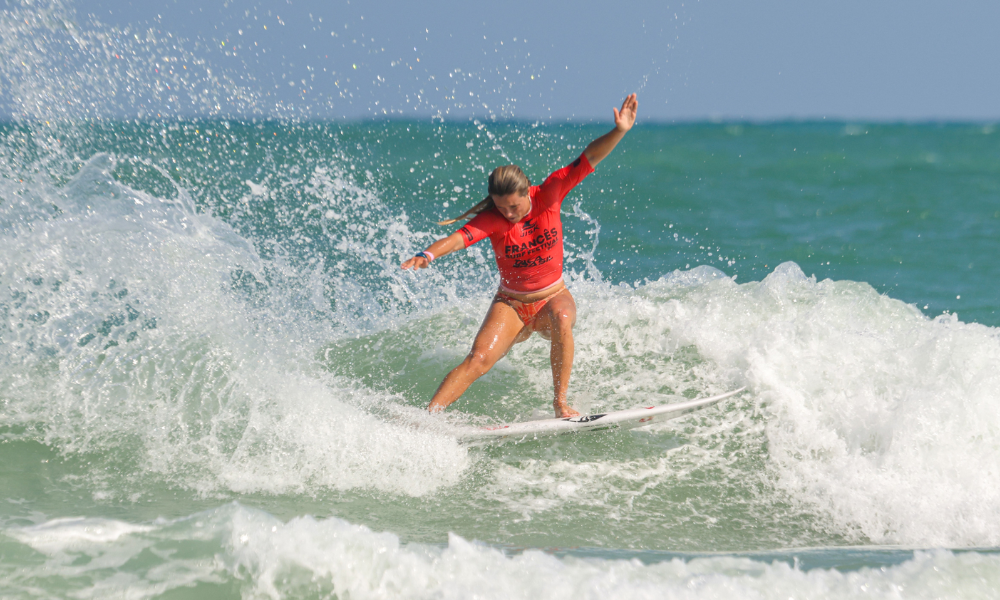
(530, 252)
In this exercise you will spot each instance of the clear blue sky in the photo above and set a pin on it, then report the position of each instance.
(725, 59)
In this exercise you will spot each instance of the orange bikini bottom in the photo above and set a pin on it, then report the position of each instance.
(527, 311)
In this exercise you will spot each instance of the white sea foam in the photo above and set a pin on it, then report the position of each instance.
(313, 558)
(874, 417)
(102, 558)
(604, 487)
(127, 337)
(355, 562)
(883, 418)
(74, 533)
(880, 418)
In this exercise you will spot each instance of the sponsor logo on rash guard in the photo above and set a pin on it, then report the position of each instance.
(545, 240)
(531, 262)
(468, 234)
(528, 226)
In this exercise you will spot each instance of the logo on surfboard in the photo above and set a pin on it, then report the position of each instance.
(583, 419)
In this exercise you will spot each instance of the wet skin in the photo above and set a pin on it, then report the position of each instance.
(502, 328)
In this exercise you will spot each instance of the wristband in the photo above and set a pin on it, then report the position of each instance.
(428, 255)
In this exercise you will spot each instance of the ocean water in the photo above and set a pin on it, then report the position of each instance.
(211, 363)
(213, 372)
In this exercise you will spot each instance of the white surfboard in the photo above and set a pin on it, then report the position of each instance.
(622, 419)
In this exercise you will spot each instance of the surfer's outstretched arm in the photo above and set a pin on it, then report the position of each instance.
(600, 148)
(439, 248)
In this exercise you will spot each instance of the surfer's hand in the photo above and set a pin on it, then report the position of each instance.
(625, 118)
(599, 149)
(417, 262)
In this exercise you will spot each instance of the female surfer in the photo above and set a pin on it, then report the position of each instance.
(523, 224)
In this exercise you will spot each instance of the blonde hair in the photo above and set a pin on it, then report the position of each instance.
(509, 179)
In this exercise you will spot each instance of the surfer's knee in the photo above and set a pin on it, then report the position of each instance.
(563, 319)
(479, 362)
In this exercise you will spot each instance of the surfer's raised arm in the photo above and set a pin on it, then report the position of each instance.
(600, 148)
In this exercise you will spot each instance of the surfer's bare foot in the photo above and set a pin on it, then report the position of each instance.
(563, 409)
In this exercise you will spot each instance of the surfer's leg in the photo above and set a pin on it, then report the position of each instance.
(557, 320)
(499, 331)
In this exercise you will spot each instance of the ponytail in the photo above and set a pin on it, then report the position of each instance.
(486, 204)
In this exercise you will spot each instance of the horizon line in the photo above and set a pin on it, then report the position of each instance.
(547, 121)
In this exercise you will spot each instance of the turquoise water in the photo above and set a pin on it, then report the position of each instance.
(212, 370)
